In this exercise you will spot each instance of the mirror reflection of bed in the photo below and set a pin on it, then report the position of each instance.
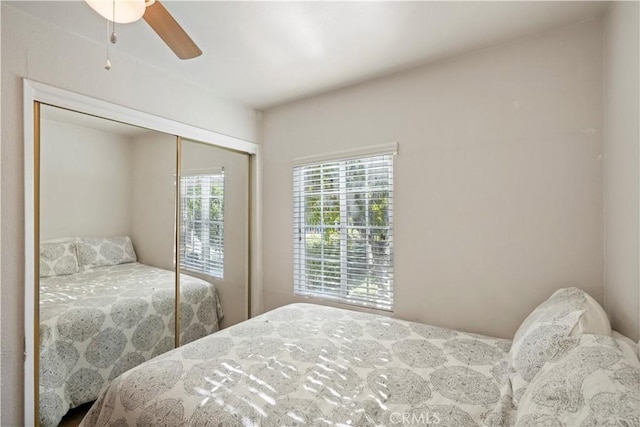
(107, 245)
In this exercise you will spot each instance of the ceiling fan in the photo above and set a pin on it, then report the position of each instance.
(158, 18)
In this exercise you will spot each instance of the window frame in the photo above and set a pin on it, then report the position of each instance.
(300, 259)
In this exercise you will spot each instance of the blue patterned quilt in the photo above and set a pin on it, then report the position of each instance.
(97, 324)
(306, 364)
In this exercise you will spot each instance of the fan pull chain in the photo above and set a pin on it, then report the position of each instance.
(107, 66)
(114, 36)
(111, 35)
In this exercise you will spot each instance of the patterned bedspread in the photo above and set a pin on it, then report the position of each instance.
(99, 323)
(305, 364)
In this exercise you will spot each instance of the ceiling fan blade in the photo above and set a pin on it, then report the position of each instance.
(159, 18)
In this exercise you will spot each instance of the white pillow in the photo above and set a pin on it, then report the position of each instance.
(590, 384)
(103, 251)
(568, 312)
(594, 320)
(58, 259)
(628, 347)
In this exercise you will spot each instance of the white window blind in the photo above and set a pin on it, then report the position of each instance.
(202, 223)
(343, 231)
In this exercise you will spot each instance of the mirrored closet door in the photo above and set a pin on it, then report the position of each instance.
(107, 285)
(137, 241)
(214, 236)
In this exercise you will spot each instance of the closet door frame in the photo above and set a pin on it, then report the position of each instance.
(36, 94)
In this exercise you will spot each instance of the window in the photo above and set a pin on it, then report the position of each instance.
(202, 223)
(343, 236)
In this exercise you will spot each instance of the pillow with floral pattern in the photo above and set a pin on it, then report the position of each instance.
(588, 382)
(539, 336)
(102, 251)
(58, 259)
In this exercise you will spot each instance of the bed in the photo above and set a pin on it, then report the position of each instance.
(306, 364)
(313, 365)
(97, 323)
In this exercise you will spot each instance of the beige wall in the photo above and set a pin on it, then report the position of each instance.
(97, 183)
(622, 171)
(153, 199)
(498, 180)
(40, 51)
(86, 182)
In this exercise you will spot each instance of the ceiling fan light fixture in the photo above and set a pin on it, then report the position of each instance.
(126, 11)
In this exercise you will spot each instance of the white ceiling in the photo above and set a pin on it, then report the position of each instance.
(262, 54)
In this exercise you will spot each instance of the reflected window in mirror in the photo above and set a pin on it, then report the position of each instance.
(202, 223)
